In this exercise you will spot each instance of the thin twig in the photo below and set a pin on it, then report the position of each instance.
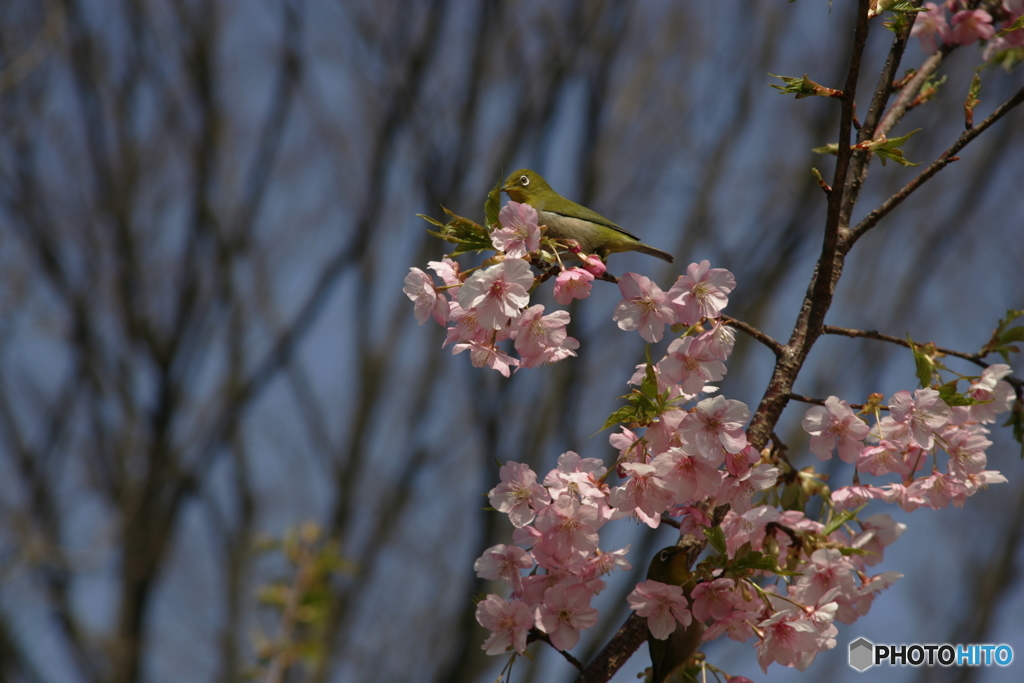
(753, 332)
(821, 402)
(947, 157)
(872, 334)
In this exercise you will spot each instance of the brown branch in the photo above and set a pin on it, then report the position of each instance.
(861, 157)
(947, 157)
(872, 334)
(821, 402)
(627, 640)
(753, 332)
(819, 294)
(908, 93)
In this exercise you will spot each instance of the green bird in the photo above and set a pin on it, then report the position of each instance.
(568, 220)
(668, 656)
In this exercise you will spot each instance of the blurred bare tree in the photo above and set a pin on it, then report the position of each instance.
(206, 211)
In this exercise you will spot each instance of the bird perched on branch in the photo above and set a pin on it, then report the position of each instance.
(566, 219)
(671, 565)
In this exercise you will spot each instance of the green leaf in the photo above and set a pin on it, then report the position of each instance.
(493, 205)
(747, 559)
(1004, 336)
(649, 385)
(1014, 334)
(624, 414)
(467, 234)
(924, 367)
(841, 519)
(1008, 59)
(430, 220)
(904, 6)
(830, 148)
(803, 87)
(972, 100)
(1015, 26)
(949, 394)
(755, 560)
(794, 496)
(889, 148)
(716, 537)
(1016, 420)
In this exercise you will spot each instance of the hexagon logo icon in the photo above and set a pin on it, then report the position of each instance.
(862, 654)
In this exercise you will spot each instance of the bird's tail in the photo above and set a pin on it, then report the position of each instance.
(651, 251)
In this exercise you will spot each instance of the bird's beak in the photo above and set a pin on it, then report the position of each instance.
(506, 188)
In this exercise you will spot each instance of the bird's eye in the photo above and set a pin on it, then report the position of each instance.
(524, 181)
(664, 555)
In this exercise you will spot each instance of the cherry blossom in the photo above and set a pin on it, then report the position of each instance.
(447, 270)
(509, 623)
(540, 337)
(644, 495)
(714, 599)
(419, 287)
(789, 639)
(593, 265)
(966, 452)
(568, 530)
(687, 476)
(687, 461)
(835, 421)
(882, 459)
(644, 307)
(518, 495)
(576, 476)
(826, 570)
(720, 340)
(504, 562)
(663, 605)
(747, 527)
(739, 491)
(690, 363)
(997, 395)
(931, 28)
(701, 293)
(969, 26)
(716, 424)
(498, 292)
(573, 283)
(519, 234)
(850, 497)
(565, 612)
(487, 356)
(923, 413)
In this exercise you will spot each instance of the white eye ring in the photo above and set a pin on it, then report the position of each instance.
(664, 555)
(524, 181)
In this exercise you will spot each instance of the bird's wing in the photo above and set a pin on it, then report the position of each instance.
(571, 209)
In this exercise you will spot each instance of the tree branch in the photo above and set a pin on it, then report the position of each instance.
(947, 157)
(753, 332)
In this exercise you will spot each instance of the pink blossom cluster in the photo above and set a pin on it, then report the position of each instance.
(686, 463)
(908, 441)
(556, 543)
(491, 305)
(776, 576)
(954, 23)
